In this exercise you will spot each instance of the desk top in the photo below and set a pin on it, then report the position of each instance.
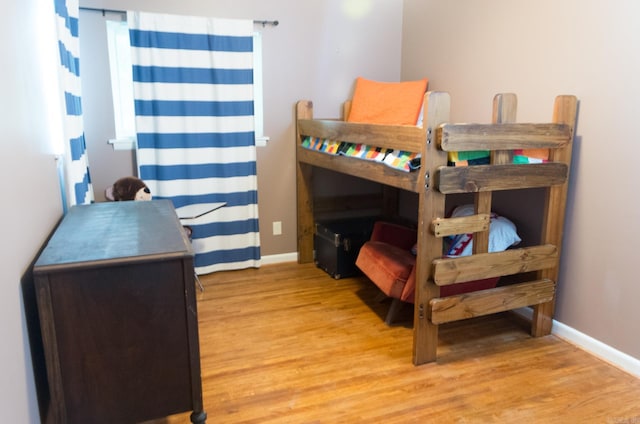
(113, 231)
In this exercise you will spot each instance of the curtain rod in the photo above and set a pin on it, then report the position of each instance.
(124, 12)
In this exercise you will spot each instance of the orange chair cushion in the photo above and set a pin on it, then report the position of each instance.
(386, 265)
(392, 269)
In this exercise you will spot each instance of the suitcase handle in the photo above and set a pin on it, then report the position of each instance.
(347, 244)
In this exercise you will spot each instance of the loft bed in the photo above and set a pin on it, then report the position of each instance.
(434, 181)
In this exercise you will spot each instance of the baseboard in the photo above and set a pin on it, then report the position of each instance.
(587, 343)
(278, 259)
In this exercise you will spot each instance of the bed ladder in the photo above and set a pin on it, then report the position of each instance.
(501, 137)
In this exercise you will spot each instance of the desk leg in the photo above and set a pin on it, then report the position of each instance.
(199, 417)
(200, 286)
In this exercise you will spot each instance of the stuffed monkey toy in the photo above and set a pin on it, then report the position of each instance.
(130, 188)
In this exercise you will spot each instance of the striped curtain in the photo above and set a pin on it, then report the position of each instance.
(78, 188)
(193, 91)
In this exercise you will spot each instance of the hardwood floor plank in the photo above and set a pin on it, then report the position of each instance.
(287, 343)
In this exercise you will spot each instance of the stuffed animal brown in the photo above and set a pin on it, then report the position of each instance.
(130, 188)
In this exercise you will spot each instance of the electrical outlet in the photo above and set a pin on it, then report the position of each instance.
(277, 228)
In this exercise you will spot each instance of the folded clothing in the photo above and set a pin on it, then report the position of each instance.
(530, 155)
(475, 157)
(482, 157)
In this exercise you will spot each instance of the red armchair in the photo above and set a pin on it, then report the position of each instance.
(386, 259)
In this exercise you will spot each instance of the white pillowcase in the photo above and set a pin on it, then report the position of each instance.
(502, 233)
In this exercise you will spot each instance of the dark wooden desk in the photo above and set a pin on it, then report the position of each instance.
(116, 297)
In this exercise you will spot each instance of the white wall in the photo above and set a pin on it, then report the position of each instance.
(32, 203)
(538, 50)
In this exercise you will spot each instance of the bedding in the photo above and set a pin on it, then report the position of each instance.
(502, 234)
(396, 159)
(409, 161)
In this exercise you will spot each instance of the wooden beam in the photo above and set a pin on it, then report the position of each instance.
(443, 227)
(365, 169)
(505, 106)
(467, 137)
(431, 205)
(408, 138)
(479, 178)
(503, 111)
(491, 301)
(565, 110)
(486, 265)
(304, 196)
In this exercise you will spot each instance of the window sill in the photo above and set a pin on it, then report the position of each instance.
(122, 143)
(261, 141)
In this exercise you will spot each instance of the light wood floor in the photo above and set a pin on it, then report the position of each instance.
(287, 343)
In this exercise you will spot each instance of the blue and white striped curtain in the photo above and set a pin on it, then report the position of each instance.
(193, 91)
(78, 188)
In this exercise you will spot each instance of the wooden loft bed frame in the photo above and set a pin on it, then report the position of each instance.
(434, 181)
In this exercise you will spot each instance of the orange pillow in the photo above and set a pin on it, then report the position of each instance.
(394, 103)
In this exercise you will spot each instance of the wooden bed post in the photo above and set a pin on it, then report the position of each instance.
(564, 112)
(431, 205)
(504, 111)
(304, 192)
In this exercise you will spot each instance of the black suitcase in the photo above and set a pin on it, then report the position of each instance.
(337, 243)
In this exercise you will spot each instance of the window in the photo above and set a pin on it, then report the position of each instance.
(258, 111)
(122, 87)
